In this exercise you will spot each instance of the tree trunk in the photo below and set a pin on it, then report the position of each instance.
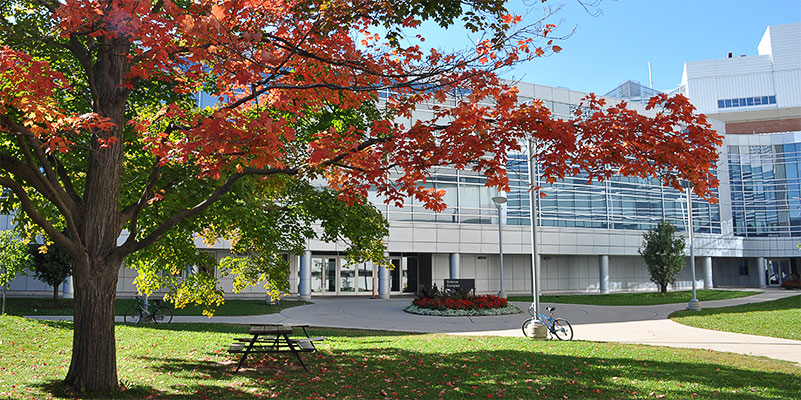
(55, 293)
(3, 311)
(94, 357)
(93, 367)
(663, 288)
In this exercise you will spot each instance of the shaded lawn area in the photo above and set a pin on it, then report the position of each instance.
(778, 318)
(640, 298)
(187, 361)
(47, 306)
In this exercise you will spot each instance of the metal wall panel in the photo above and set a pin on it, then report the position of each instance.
(703, 93)
(787, 88)
(729, 66)
(785, 43)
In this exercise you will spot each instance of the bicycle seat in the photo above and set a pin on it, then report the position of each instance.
(550, 309)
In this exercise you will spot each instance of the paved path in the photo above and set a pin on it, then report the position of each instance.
(626, 324)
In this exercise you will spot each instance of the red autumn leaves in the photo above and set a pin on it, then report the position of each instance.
(273, 66)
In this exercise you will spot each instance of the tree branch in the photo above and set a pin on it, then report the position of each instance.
(39, 219)
(81, 53)
(131, 213)
(66, 181)
(131, 246)
(51, 177)
(49, 185)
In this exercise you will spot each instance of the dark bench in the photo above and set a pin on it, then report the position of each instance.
(274, 339)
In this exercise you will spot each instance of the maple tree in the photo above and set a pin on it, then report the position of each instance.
(106, 150)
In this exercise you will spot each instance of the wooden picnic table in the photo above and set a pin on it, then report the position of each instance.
(274, 338)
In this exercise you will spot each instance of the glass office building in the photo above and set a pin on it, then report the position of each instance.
(589, 233)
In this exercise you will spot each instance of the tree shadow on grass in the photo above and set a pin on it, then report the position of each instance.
(380, 364)
(458, 372)
(244, 329)
(131, 390)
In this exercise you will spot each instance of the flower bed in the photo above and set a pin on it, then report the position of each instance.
(469, 303)
(792, 284)
(461, 306)
(456, 312)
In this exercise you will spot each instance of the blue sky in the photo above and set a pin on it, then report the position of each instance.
(617, 45)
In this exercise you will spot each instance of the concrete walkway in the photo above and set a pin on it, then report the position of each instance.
(625, 324)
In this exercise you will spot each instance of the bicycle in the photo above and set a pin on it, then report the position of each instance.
(558, 327)
(140, 313)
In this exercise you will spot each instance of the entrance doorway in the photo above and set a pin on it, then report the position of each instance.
(323, 274)
(410, 272)
(334, 275)
(778, 271)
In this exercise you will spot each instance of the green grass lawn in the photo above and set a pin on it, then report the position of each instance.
(778, 318)
(640, 298)
(47, 306)
(188, 361)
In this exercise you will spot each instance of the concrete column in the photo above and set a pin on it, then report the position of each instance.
(305, 276)
(707, 264)
(604, 274)
(763, 281)
(66, 288)
(456, 266)
(383, 282)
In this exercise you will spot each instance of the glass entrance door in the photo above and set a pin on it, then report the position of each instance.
(366, 277)
(404, 277)
(334, 275)
(323, 275)
(397, 276)
(778, 271)
(347, 278)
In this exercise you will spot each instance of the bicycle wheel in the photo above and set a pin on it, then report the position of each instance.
(133, 316)
(162, 315)
(525, 325)
(562, 329)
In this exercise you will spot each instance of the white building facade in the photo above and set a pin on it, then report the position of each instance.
(589, 234)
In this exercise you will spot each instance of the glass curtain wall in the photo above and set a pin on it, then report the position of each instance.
(622, 203)
(619, 203)
(468, 200)
(766, 189)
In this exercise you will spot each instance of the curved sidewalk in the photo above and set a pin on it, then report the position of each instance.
(626, 324)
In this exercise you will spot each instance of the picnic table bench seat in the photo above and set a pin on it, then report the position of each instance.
(259, 346)
(274, 339)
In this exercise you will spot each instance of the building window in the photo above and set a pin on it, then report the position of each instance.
(747, 101)
(743, 265)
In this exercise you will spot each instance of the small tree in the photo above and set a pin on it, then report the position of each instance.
(51, 265)
(663, 253)
(14, 260)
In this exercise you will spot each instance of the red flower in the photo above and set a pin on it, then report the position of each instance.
(473, 303)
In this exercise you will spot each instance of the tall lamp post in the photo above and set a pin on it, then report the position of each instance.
(694, 304)
(536, 328)
(499, 202)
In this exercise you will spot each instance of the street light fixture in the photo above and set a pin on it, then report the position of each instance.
(499, 202)
(536, 329)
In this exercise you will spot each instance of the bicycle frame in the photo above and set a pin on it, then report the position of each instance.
(147, 310)
(548, 321)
